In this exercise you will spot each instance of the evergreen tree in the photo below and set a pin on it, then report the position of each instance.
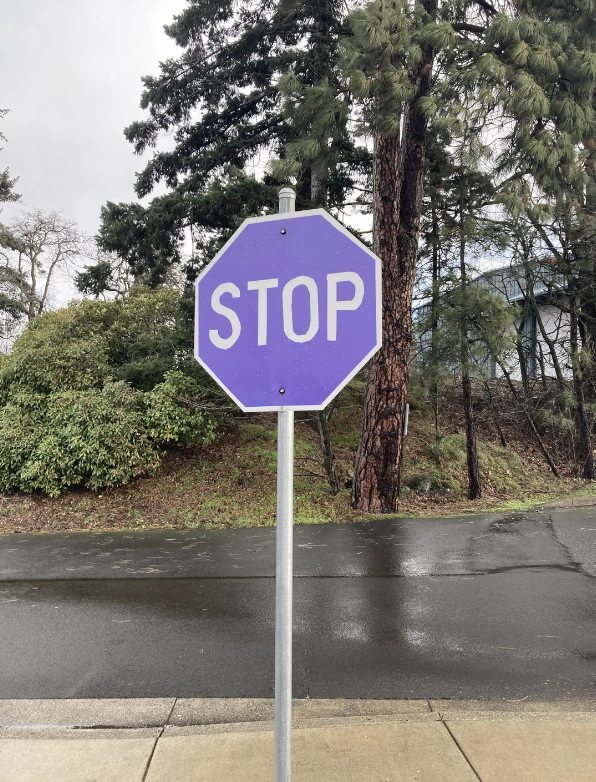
(220, 101)
(458, 229)
(221, 98)
(392, 59)
(553, 46)
(387, 68)
(11, 307)
(531, 67)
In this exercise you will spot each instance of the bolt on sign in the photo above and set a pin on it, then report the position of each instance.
(288, 311)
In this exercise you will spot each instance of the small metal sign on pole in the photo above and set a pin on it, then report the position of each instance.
(287, 313)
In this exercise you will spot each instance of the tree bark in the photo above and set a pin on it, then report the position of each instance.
(327, 451)
(495, 414)
(474, 485)
(584, 248)
(318, 188)
(578, 390)
(434, 330)
(376, 474)
(520, 346)
(318, 195)
(397, 206)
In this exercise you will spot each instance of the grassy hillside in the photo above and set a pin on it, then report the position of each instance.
(232, 482)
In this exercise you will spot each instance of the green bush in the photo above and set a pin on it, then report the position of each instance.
(21, 423)
(173, 414)
(137, 339)
(147, 339)
(97, 438)
(94, 438)
(60, 351)
(91, 393)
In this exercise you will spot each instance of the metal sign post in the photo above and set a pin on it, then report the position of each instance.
(284, 560)
(286, 313)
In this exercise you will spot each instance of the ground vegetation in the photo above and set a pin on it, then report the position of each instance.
(231, 481)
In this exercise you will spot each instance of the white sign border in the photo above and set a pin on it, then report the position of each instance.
(378, 307)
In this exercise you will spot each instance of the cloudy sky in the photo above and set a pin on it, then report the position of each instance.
(70, 74)
(71, 77)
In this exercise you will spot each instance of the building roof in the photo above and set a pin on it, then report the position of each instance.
(509, 282)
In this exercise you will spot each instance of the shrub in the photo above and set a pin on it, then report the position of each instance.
(60, 351)
(21, 423)
(173, 414)
(137, 339)
(91, 392)
(94, 438)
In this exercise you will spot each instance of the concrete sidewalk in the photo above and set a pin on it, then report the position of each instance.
(231, 740)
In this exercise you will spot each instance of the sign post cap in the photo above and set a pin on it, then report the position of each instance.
(287, 200)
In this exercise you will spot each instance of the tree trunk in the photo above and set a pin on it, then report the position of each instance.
(434, 331)
(397, 205)
(322, 67)
(318, 188)
(474, 486)
(318, 195)
(530, 422)
(376, 474)
(520, 346)
(578, 390)
(550, 343)
(584, 248)
(318, 421)
(495, 414)
(327, 451)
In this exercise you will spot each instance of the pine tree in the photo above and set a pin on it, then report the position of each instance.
(220, 100)
(531, 67)
(456, 219)
(391, 60)
(429, 361)
(553, 47)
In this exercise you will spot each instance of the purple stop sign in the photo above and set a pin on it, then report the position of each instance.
(288, 311)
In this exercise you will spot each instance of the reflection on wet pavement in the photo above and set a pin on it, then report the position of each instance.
(482, 607)
(402, 547)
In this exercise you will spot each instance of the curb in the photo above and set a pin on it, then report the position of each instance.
(571, 502)
(221, 715)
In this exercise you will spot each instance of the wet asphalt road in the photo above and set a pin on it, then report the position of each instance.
(475, 607)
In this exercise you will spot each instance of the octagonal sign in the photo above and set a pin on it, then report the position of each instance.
(288, 311)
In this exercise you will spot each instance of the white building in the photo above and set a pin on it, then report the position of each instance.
(543, 310)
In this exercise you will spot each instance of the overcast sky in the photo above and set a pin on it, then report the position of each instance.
(70, 73)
